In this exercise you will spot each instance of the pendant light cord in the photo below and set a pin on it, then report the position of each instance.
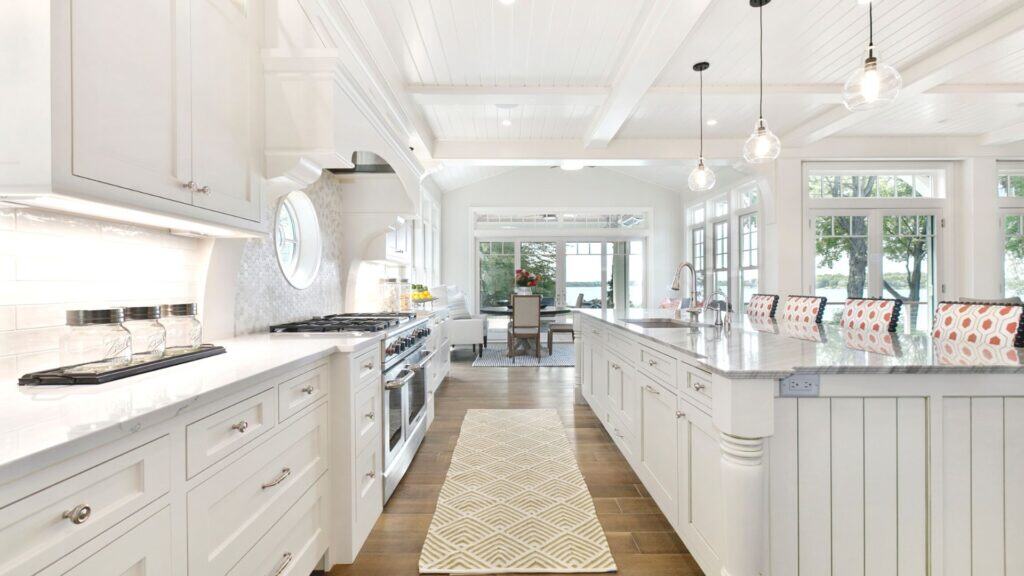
(871, 29)
(702, 115)
(760, 64)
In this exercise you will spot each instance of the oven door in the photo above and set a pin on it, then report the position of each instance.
(418, 386)
(396, 407)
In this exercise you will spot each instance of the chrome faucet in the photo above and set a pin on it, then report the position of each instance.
(719, 305)
(693, 283)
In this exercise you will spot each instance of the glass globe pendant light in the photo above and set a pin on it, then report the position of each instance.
(762, 145)
(702, 178)
(875, 84)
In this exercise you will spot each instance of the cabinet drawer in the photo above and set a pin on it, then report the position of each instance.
(366, 364)
(628, 349)
(302, 391)
(658, 365)
(593, 331)
(369, 490)
(40, 528)
(697, 388)
(221, 433)
(295, 544)
(623, 438)
(228, 513)
(145, 550)
(367, 415)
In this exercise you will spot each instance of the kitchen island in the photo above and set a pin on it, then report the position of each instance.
(807, 450)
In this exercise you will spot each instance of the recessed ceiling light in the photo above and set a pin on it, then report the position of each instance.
(506, 122)
(712, 121)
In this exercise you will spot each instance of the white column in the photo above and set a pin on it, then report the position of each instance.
(743, 505)
(976, 235)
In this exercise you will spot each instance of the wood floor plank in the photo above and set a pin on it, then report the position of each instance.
(641, 539)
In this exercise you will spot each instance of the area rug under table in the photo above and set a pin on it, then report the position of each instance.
(563, 355)
(514, 500)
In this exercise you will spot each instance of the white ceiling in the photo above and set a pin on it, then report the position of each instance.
(600, 79)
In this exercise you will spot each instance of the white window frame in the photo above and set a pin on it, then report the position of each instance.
(1003, 215)
(875, 209)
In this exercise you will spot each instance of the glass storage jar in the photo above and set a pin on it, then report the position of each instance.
(184, 331)
(95, 341)
(149, 337)
(404, 295)
(389, 295)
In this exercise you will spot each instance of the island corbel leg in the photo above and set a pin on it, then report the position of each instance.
(743, 505)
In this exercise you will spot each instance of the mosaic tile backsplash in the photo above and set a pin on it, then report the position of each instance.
(264, 297)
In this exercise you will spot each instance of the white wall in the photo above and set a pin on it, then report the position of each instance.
(548, 188)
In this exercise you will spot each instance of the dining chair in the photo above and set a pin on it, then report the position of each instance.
(525, 323)
(1000, 325)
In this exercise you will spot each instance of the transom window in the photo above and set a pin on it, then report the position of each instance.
(560, 220)
(832, 184)
(1011, 179)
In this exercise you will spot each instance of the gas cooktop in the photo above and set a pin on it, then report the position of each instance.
(352, 322)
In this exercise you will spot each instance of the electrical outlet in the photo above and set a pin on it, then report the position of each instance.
(805, 385)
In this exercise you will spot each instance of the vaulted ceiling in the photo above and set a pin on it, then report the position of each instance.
(490, 84)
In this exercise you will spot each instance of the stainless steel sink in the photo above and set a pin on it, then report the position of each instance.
(666, 323)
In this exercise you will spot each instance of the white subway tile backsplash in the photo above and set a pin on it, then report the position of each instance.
(52, 262)
(7, 318)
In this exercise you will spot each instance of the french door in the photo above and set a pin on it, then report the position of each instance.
(877, 253)
(598, 273)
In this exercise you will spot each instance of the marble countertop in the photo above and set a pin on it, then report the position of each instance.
(35, 420)
(775, 350)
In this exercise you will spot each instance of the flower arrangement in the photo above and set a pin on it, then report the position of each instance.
(524, 278)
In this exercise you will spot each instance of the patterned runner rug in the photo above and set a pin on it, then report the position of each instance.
(564, 354)
(514, 500)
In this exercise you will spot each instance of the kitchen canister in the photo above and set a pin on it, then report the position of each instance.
(149, 337)
(95, 340)
(184, 331)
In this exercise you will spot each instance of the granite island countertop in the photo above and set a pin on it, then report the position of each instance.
(769, 349)
(45, 420)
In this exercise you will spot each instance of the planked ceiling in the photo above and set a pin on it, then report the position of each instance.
(538, 81)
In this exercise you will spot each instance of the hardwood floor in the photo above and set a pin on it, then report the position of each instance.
(641, 539)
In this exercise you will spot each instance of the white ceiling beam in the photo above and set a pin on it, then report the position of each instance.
(496, 96)
(1001, 36)
(1007, 135)
(665, 27)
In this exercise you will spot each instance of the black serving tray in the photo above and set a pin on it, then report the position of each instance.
(62, 377)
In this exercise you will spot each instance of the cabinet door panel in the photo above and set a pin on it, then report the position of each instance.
(658, 450)
(630, 412)
(129, 96)
(613, 392)
(221, 88)
(700, 492)
(144, 551)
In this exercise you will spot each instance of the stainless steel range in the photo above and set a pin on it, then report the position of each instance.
(404, 381)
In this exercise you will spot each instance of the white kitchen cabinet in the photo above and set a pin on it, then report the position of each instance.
(153, 109)
(699, 518)
(613, 388)
(222, 107)
(130, 95)
(658, 450)
(599, 380)
(144, 551)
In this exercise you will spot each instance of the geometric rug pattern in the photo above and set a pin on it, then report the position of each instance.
(563, 355)
(514, 500)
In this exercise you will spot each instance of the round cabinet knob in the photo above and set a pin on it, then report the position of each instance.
(698, 386)
(309, 389)
(79, 514)
(368, 365)
(680, 414)
(652, 363)
(371, 474)
(370, 416)
(241, 427)
(203, 190)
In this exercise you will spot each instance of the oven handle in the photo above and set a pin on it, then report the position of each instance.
(423, 361)
(404, 377)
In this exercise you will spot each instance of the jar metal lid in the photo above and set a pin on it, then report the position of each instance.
(178, 309)
(142, 312)
(93, 317)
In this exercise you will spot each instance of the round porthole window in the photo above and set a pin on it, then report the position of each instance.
(297, 239)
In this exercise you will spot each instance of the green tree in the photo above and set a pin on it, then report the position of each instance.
(539, 258)
(1014, 255)
(849, 238)
(911, 247)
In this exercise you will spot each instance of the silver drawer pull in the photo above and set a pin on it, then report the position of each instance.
(698, 386)
(190, 185)
(203, 190)
(309, 389)
(652, 389)
(78, 515)
(371, 474)
(615, 366)
(285, 472)
(370, 416)
(680, 414)
(368, 365)
(617, 433)
(240, 426)
(652, 362)
(285, 561)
